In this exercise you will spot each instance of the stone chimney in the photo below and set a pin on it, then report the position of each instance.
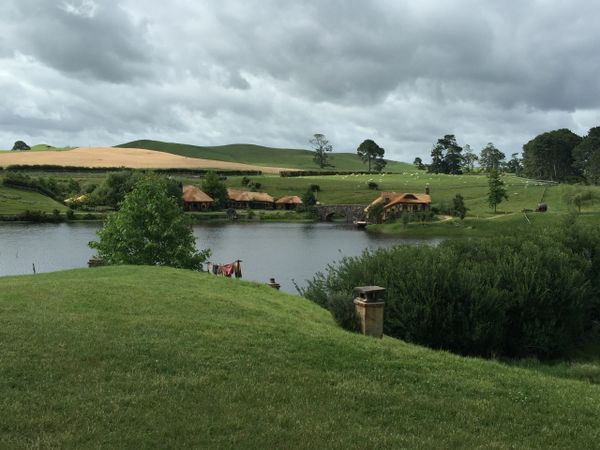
(369, 310)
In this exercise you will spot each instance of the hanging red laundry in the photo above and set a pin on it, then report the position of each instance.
(227, 270)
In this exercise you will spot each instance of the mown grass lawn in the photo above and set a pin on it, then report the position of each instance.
(146, 357)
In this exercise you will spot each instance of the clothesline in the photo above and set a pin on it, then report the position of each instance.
(226, 270)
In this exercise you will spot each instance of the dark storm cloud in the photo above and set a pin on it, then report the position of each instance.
(274, 72)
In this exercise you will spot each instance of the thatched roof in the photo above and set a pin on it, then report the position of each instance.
(192, 194)
(410, 199)
(248, 196)
(390, 199)
(289, 200)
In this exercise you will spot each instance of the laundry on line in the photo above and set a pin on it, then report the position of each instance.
(226, 270)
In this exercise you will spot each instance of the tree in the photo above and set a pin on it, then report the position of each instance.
(149, 229)
(309, 199)
(369, 152)
(446, 156)
(586, 156)
(437, 160)
(496, 192)
(459, 208)
(491, 158)
(321, 146)
(453, 157)
(113, 189)
(20, 146)
(469, 159)
(549, 156)
(418, 162)
(375, 212)
(215, 188)
(514, 165)
(580, 198)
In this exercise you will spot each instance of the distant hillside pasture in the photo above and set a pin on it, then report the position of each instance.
(350, 189)
(112, 157)
(260, 155)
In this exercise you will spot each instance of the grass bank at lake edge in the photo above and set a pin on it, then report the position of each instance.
(156, 357)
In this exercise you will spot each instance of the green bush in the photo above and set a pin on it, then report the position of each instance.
(511, 296)
(341, 306)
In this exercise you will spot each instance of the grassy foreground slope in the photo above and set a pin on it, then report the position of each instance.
(265, 156)
(141, 357)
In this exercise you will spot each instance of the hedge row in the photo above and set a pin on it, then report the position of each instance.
(181, 171)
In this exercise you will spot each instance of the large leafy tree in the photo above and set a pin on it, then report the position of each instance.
(549, 156)
(491, 158)
(446, 156)
(586, 156)
(371, 153)
(437, 160)
(515, 164)
(114, 188)
(321, 147)
(149, 229)
(469, 159)
(215, 188)
(497, 191)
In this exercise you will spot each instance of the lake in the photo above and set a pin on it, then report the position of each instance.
(284, 251)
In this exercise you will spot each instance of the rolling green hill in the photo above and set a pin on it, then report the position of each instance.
(265, 156)
(16, 201)
(148, 357)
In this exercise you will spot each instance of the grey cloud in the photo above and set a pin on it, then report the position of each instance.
(101, 43)
(274, 72)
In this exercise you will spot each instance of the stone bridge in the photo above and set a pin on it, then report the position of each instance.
(350, 212)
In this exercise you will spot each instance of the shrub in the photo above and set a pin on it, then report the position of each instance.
(515, 296)
(341, 306)
(372, 185)
(315, 188)
(245, 181)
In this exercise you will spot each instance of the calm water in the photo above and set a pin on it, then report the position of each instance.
(284, 251)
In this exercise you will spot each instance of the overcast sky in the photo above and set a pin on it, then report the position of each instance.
(274, 72)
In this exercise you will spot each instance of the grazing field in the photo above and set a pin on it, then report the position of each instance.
(16, 201)
(257, 154)
(139, 357)
(130, 157)
(348, 189)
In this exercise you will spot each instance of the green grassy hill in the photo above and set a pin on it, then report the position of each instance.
(265, 156)
(16, 201)
(146, 357)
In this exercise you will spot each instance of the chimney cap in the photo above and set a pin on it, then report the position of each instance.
(369, 293)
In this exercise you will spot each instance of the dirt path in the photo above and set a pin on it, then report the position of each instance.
(135, 158)
(501, 215)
